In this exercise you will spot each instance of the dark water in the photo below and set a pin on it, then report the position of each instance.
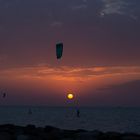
(91, 118)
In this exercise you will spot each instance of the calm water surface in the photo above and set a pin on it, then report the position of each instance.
(91, 118)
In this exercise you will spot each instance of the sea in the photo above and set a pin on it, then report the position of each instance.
(120, 119)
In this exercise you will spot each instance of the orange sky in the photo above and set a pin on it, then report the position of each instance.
(56, 82)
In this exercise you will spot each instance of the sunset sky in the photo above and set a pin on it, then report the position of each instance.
(101, 59)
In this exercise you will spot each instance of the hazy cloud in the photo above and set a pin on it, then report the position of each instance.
(56, 24)
(69, 73)
(120, 7)
(79, 7)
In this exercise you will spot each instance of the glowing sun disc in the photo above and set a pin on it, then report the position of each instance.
(70, 96)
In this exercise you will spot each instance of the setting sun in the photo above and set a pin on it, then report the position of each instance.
(70, 96)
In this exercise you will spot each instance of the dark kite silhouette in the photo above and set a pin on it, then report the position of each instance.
(59, 50)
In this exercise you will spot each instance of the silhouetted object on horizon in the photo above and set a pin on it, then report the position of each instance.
(59, 50)
(4, 95)
(78, 113)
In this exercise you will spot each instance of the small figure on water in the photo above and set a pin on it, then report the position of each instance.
(78, 113)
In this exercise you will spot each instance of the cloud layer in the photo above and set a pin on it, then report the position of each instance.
(120, 7)
(49, 85)
(72, 74)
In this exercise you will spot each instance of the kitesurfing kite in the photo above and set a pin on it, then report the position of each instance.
(59, 50)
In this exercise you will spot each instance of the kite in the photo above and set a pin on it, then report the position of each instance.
(59, 50)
